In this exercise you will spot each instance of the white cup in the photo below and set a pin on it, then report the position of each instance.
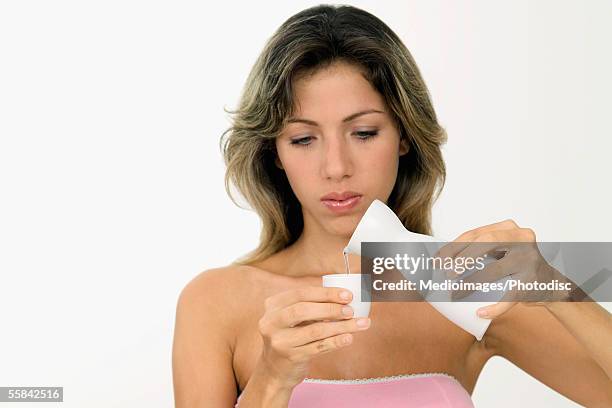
(354, 282)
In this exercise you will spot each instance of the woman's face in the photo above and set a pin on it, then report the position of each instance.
(340, 138)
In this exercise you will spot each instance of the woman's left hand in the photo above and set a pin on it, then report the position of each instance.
(521, 259)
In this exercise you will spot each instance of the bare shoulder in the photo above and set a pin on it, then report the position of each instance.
(215, 281)
(232, 295)
(204, 337)
(218, 289)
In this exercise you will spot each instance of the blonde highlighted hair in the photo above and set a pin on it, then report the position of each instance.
(307, 41)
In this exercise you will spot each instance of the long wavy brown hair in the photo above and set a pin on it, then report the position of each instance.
(307, 41)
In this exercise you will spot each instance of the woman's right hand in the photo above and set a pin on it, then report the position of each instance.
(302, 323)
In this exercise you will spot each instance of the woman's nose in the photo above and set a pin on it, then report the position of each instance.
(336, 162)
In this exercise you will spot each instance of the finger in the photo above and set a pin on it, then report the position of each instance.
(455, 249)
(493, 244)
(472, 234)
(301, 312)
(320, 330)
(487, 242)
(452, 248)
(449, 250)
(496, 310)
(499, 308)
(490, 273)
(326, 345)
(494, 273)
(307, 294)
(479, 249)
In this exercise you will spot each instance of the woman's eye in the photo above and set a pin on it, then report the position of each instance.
(300, 141)
(364, 135)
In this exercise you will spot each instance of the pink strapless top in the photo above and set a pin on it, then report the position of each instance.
(429, 390)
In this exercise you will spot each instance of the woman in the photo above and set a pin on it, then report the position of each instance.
(334, 115)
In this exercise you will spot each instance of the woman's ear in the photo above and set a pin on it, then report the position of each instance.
(278, 162)
(404, 146)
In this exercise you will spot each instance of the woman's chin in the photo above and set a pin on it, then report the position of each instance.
(343, 226)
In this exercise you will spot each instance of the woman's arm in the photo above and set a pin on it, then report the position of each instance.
(562, 349)
(201, 354)
(591, 325)
(536, 340)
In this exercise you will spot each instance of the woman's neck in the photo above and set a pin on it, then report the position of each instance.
(318, 255)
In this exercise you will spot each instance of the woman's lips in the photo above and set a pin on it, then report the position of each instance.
(341, 206)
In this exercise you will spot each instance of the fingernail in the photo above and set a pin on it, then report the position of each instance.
(347, 311)
(483, 313)
(363, 322)
(345, 295)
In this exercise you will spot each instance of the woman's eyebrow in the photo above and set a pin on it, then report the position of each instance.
(347, 119)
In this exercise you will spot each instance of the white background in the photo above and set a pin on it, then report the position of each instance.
(111, 179)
